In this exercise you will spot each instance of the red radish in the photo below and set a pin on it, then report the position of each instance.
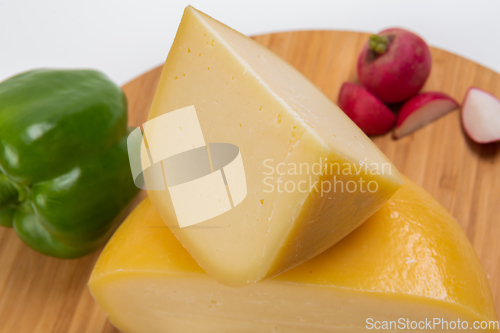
(422, 109)
(481, 116)
(366, 110)
(394, 64)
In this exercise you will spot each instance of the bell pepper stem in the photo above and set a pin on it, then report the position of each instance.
(8, 192)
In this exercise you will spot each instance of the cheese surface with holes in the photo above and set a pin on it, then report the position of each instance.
(410, 260)
(311, 175)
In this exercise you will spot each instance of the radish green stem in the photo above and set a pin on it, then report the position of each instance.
(378, 44)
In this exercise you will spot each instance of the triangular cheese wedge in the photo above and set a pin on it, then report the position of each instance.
(410, 260)
(310, 175)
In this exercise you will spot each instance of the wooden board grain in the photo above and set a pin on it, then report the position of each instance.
(39, 294)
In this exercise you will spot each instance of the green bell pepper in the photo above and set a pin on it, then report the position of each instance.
(64, 169)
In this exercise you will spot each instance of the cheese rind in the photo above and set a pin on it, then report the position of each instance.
(247, 96)
(409, 260)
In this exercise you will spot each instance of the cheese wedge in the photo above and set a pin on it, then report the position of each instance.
(410, 260)
(311, 176)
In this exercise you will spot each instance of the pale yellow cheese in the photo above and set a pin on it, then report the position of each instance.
(290, 137)
(410, 260)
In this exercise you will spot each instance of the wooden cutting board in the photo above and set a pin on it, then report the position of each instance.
(39, 294)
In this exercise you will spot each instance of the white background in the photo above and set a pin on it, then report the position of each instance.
(124, 38)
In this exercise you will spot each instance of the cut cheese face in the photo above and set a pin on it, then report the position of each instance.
(410, 260)
(311, 176)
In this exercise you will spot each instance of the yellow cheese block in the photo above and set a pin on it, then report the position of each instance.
(311, 175)
(410, 262)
